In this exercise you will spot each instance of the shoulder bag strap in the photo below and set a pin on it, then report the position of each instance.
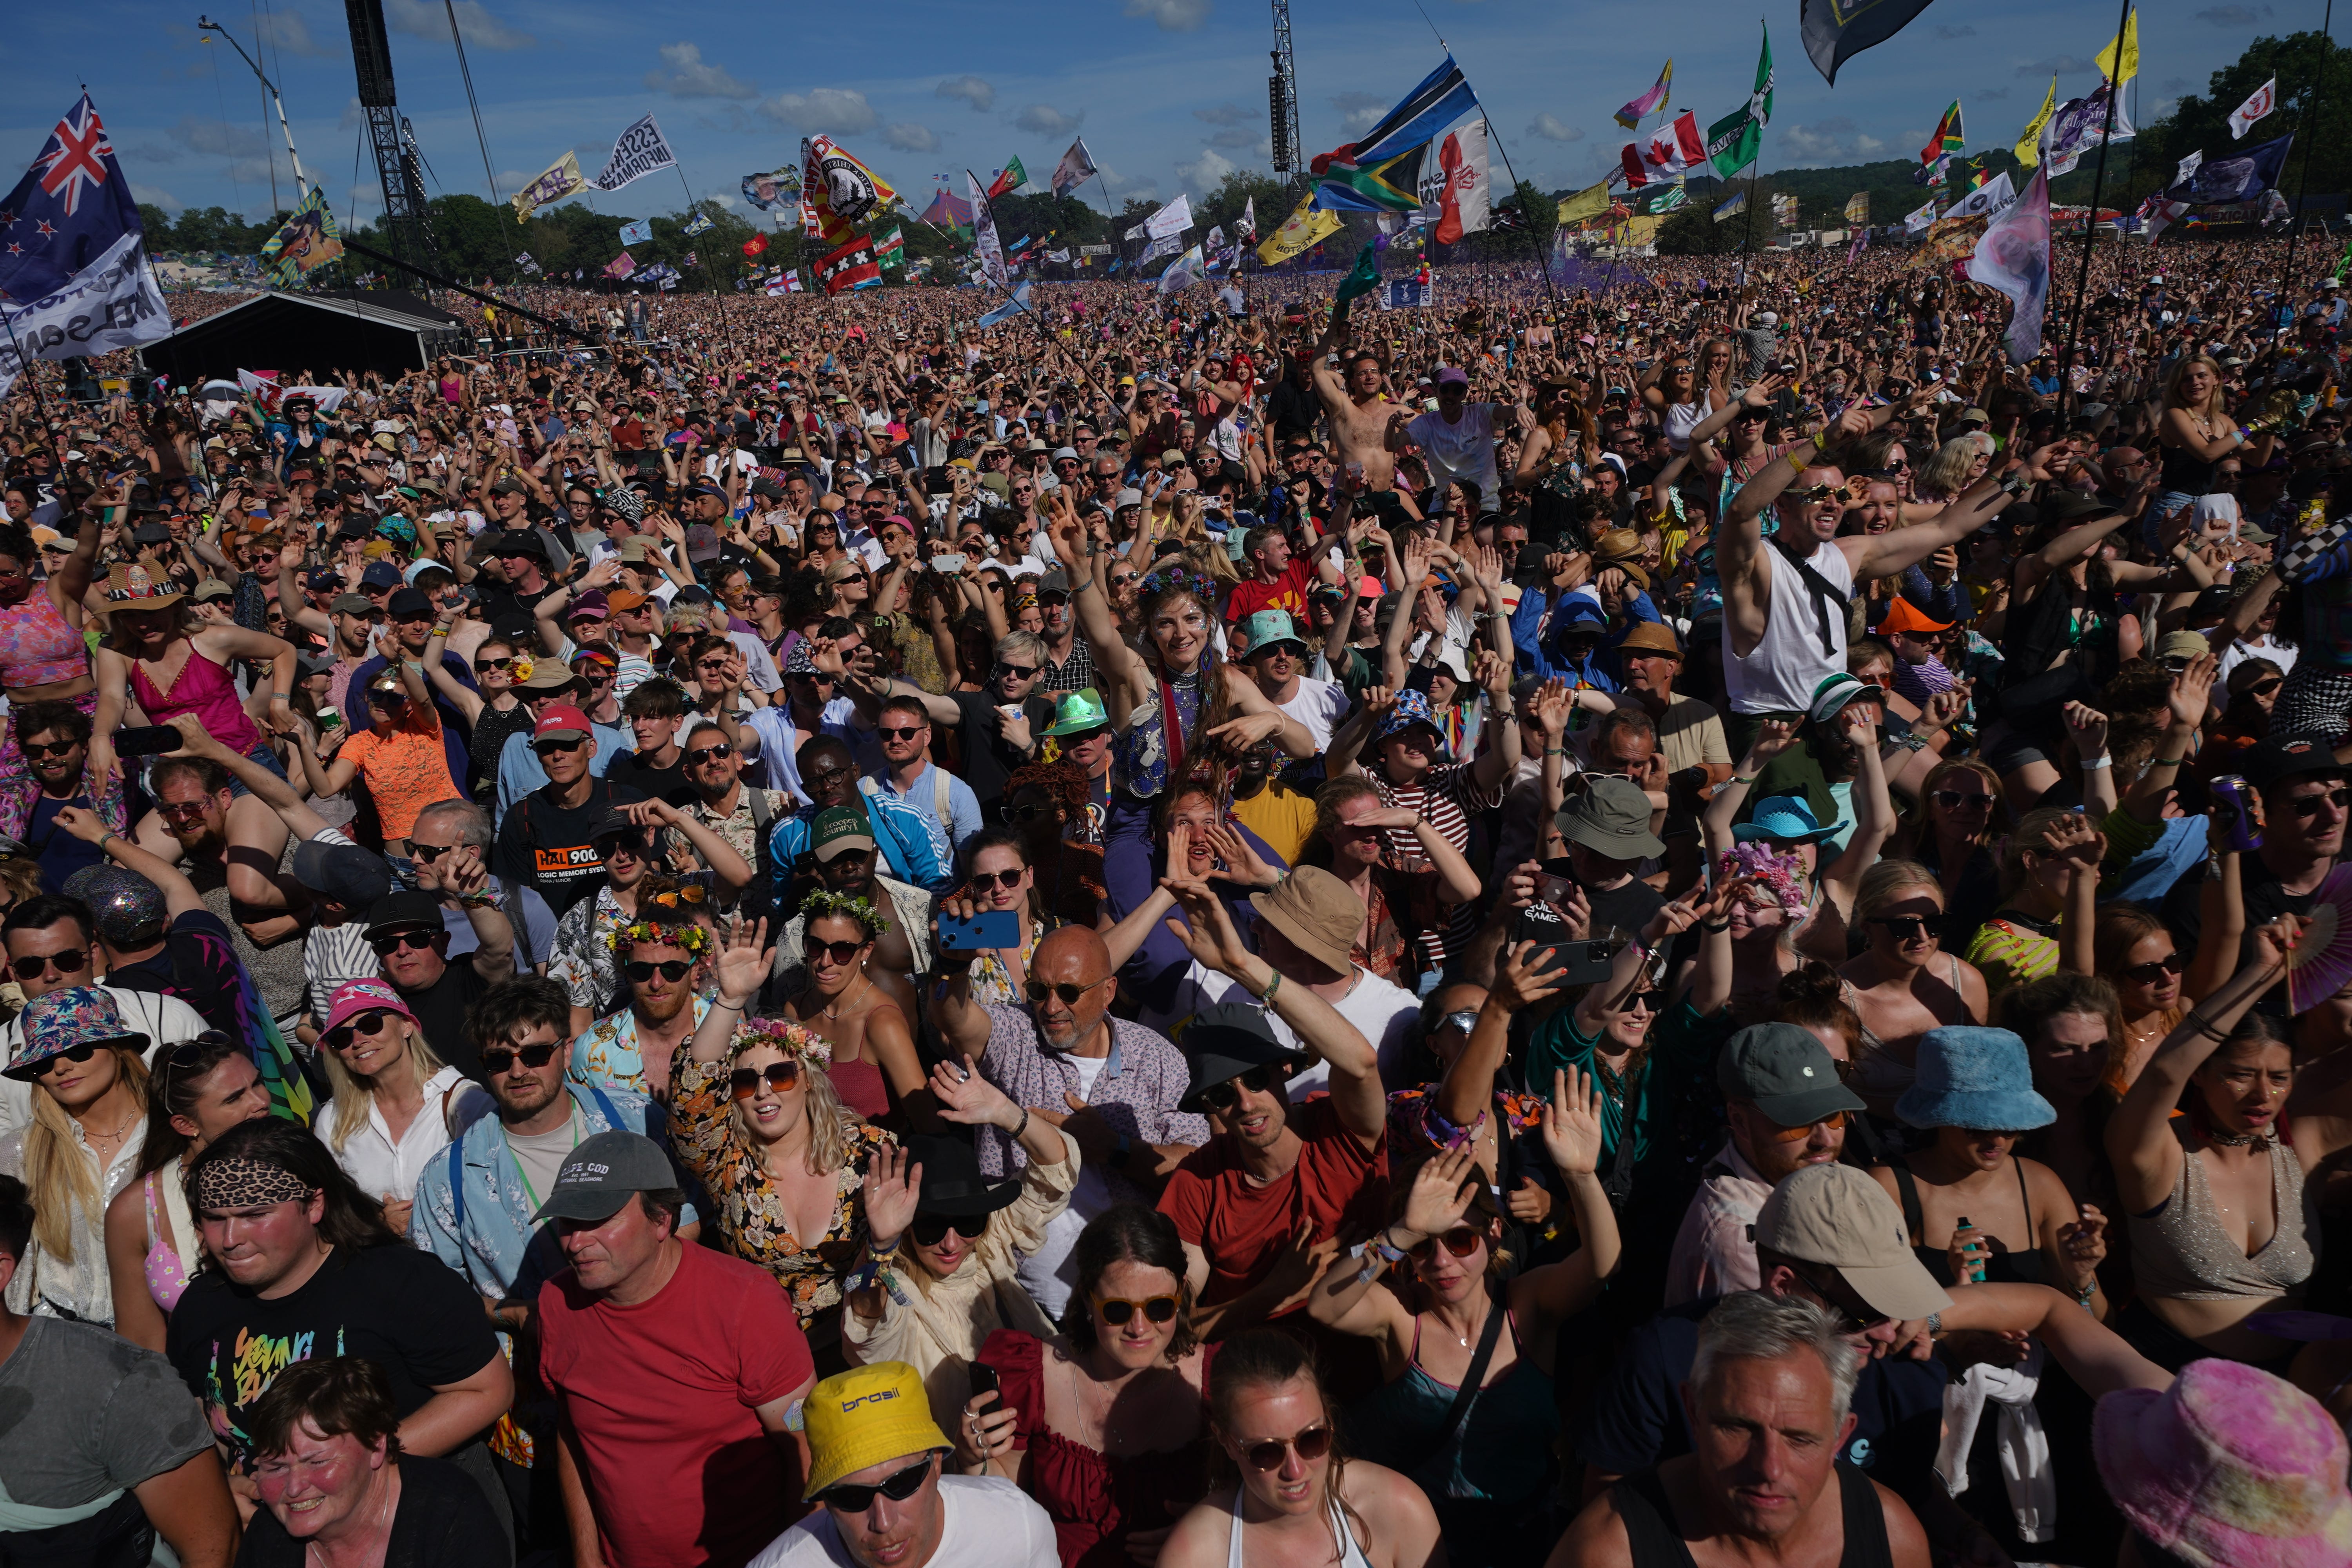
(1825, 594)
(939, 800)
(457, 1182)
(1474, 1380)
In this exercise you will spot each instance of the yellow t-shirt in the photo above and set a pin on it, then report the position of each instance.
(1281, 815)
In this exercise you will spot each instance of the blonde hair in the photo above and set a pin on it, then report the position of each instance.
(1947, 473)
(832, 1126)
(1883, 882)
(353, 1093)
(2180, 373)
(57, 1177)
(2025, 839)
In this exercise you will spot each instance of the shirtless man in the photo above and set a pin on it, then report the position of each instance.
(1785, 603)
(1361, 416)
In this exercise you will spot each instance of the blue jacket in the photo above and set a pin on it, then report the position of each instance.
(912, 850)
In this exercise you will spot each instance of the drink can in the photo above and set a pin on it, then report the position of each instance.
(2236, 802)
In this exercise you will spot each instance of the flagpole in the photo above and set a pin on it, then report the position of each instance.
(1493, 139)
(2302, 188)
(2091, 221)
(39, 401)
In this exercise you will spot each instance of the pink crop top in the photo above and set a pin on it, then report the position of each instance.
(167, 1277)
(204, 690)
(37, 647)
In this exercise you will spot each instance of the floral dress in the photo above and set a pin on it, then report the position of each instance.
(744, 1202)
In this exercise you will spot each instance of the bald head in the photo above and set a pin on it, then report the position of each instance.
(1071, 956)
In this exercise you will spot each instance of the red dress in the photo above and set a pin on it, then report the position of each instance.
(1095, 1500)
(859, 1086)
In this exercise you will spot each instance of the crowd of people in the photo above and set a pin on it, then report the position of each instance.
(825, 935)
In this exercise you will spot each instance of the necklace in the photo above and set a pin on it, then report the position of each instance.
(2239, 1140)
(1478, 1323)
(833, 1014)
(114, 1137)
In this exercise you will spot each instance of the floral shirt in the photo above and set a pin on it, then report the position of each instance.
(606, 1052)
(583, 963)
(750, 1215)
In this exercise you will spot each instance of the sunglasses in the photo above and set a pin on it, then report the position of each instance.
(981, 882)
(1903, 928)
(894, 733)
(1461, 1241)
(1311, 1444)
(717, 749)
(71, 961)
(1799, 1134)
(1117, 1311)
(1029, 813)
(1038, 991)
(930, 1230)
(2260, 688)
(839, 951)
(1860, 1317)
(1647, 1002)
(368, 1022)
(2156, 969)
(1223, 1096)
(35, 749)
(2307, 806)
(549, 748)
(672, 969)
(744, 1082)
(498, 1059)
(184, 811)
(78, 1053)
(898, 1488)
(414, 940)
(1953, 799)
(1017, 671)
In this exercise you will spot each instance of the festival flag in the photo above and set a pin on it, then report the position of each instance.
(1987, 200)
(771, 190)
(2080, 125)
(1784, 212)
(1247, 228)
(1442, 98)
(1947, 137)
(1650, 102)
(754, 245)
(2238, 179)
(1733, 207)
(2131, 42)
(621, 266)
(1860, 240)
(1673, 148)
(641, 232)
(640, 151)
(1732, 142)
(1074, 169)
(528, 264)
(1673, 196)
(1637, 173)
(1362, 278)
(2158, 214)
(1918, 222)
(1183, 272)
(1857, 207)
(1454, 197)
(837, 191)
(1009, 179)
(891, 247)
(2242, 118)
(1301, 232)
(701, 223)
(1006, 311)
(991, 251)
(2014, 257)
(561, 180)
(1836, 30)
(1589, 201)
(2029, 140)
(851, 267)
(692, 259)
(1932, 175)
(1391, 185)
(308, 241)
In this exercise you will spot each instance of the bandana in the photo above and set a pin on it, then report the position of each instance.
(246, 1183)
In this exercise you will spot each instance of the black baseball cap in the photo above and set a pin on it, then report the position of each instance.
(403, 912)
(2275, 758)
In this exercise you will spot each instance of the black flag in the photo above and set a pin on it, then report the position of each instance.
(1836, 30)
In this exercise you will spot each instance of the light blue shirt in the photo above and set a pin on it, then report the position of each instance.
(519, 772)
(912, 847)
(964, 806)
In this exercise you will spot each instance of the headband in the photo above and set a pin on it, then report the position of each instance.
(238, 1183)
(1781, 877)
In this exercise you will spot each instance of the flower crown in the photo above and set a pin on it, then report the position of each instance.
(1783, 876)
(1174, 579)
(652, 933)
(818, 904)
(788, 1037)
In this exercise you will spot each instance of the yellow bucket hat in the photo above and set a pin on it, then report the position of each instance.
(863, 1416)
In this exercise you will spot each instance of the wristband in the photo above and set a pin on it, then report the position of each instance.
(1024, 1124)
(2161, 762)
(2102, 760)
(1750, 779)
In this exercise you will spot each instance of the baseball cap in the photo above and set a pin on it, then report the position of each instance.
(620, 601)
(1838, 1216)
(858, 1418)
(213, 588)
(1786, 1072)
(380, 574)
(409, 604)
(2274, 759)
(346, 873)
(591, 605)
(404, 910)
(2183, 644)
(561, 720)
(1453, 375)
(603, 1172)
(838, 829)
(1906, 616)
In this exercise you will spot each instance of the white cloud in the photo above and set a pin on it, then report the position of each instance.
(1359, 110)
(1044, 119)
(1173, 16)
(980, 94)
(1548, 128)
(287, 33)
(837, 109)
(1203, 173)
(1226, 113)
(421, 18)
(908, 136)
(691, 77)
(155, 196)
(1827, 141)
(351, 116)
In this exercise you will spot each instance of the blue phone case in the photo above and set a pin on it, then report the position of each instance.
(996, 928)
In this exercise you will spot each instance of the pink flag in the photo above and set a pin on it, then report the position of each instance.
(1676, 147)
(2013, 255)
(1649, 104)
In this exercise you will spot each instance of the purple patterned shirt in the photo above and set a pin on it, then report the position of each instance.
(1137, 1089)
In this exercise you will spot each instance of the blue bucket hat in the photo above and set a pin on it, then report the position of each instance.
(1970, 1076)
(1784, 818)
(1412, 707)
(71, 1017)
(1266, 628)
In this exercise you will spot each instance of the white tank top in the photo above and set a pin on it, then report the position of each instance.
(1681, 419)
(1351, 1555)
(1781, 675)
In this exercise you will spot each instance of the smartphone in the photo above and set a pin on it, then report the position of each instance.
(996, 928)
(983, 1380)
(147, 741)
(951, 564)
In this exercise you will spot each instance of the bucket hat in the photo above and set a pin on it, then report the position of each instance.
(1971, 1076)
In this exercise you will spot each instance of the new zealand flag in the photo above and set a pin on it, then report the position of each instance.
(71, 207)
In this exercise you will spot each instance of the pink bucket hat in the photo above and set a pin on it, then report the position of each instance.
(356, 997)
(2228, 1468)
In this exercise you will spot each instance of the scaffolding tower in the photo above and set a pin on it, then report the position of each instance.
(408, 225)
(1282, 97)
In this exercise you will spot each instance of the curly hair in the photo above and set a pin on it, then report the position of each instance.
(1066, 783)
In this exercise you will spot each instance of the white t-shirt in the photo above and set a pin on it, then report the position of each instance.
(990, 1523)
(1319, 705)
(164, 1020)
(1047, 1274)
(1386, 1015)
(1461, 451)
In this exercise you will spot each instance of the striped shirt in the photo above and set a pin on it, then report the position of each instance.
(1447, 796)
(2011, 949)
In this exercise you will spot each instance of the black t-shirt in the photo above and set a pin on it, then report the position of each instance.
(1628, 908)
(61, 853)
(499, 602)
(545, 843)
(440, 1010)
(443, 1522)
(1636, 1420)
(403, 1310)
(2265, 901)
(630, 771)
(988, 761)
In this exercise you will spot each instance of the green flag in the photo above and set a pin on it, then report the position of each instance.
(891, 247)
(2343, 262)
(1667, 201)
(1362, 278)
(1732, 142)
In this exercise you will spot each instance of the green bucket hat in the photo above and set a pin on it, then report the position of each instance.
(1075, 713)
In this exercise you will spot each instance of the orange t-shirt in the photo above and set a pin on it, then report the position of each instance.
(406, 771)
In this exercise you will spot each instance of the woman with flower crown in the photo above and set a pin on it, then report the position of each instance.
(874, 1062)
(754, 1116)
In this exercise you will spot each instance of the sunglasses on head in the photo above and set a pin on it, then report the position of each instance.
(897, 1488)
(671, 969)
(416, 940)
(2306, 806)
(1311, 1444)
(1461, 1241)
(1953, 799)
(69, 962)
(1223, 1096)
(744, 1082)
(368, 1022)
(498, 1059)
(1903, 928)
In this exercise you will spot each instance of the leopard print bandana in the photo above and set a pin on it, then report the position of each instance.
(246, 1183)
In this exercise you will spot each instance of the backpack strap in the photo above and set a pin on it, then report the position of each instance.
(939, 800)
(458, 1180)
(606, 1108)
(1825, 594)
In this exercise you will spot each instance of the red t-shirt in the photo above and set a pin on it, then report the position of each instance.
(661, 1396)
(1287, 592)
(1337, 1184)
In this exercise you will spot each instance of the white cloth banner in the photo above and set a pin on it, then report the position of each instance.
(1989, 199)
(2242, 118)
(640, 152)
(1247, 228)
(1167, 247)
(2013, 255)
(112, 303)
(989, 249)
(1171, 220)
(1916, 223)
(266, 391)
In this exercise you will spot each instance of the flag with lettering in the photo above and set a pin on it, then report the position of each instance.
(838, 193)
(640, 151)
(560, 179)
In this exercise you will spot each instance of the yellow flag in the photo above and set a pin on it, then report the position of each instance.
(1299, 233)
(1590, 202)
(1857, 207)
(2106, 59)
(560, 179)
(2029, 144)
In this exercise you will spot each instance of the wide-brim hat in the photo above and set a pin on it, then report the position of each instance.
(952, 1182)
(1318, 912)
(1226, 1040)
(130, 586)
(1412, 708)
(1974, 1077)
(1786, 819)
(1612, 817)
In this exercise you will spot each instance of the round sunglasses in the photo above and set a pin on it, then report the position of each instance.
(1117, 1311)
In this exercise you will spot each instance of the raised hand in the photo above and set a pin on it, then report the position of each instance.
(1442, 1191)
(740, 965)
(894, 1185)
(1516, 985)
(2074, 838)
(1773, 737)
(1206, 931)
(1571, 1122)
(2192, 690)
(2087, 728)
(1553, 704)
(1242, 863)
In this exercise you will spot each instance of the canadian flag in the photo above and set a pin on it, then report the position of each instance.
(1636, 175)
(2242, 118)
(1676, 147)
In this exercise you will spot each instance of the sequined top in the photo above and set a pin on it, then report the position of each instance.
(2181, 1251)
(749, 1212)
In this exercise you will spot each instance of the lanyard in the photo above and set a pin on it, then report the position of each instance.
(523, 1176)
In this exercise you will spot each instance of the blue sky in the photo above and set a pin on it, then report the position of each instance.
(1168, 93)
